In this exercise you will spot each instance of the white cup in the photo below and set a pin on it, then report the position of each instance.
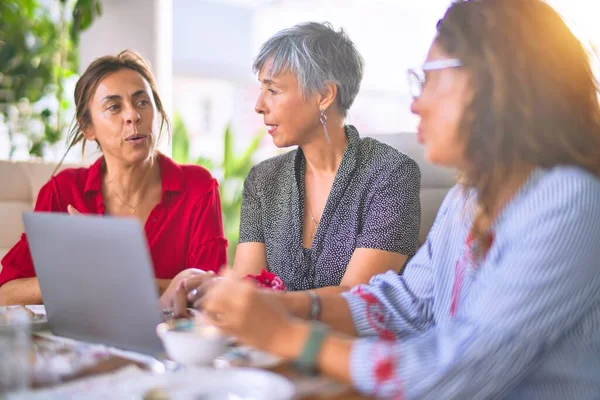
(191, 341)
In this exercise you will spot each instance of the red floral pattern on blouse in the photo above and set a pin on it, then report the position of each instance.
(375, 314)
(467, 259)
(385, 371)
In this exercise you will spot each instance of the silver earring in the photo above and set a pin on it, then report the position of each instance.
(323, 119)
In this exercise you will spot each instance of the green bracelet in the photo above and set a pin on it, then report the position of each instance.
(307, 360)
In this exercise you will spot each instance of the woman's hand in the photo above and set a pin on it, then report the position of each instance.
(180, 309)
(167, 299)
(196, 286)
(255, 317)
(72, 210)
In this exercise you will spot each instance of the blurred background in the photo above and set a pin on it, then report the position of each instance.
(201, 52)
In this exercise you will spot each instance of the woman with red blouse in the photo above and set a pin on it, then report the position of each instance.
(118, 107)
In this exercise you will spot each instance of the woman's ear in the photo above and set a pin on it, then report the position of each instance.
(327, 96)
(88, 131)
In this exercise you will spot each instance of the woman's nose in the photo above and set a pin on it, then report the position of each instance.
(132, 117)
(415, 106)
(260, 105)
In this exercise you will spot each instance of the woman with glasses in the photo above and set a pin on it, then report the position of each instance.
(339, 208)
(503, 299)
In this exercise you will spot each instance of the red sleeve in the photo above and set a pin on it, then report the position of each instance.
(208, 245)
(17, 263)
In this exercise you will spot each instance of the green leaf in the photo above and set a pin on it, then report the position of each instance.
(65, 104)
(206, 163)
(37, 148)
(51, 135)
(84, 14)
(180, 141)
(228, 158)
(244, 163)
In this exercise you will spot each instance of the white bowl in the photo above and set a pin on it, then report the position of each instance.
(191, 342)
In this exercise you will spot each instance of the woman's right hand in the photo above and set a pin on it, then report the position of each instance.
(190, 290)
(168, 297)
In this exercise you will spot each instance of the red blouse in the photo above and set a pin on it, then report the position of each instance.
(184, 230)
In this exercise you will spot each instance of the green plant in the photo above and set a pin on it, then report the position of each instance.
(231, 171)
(180, 144)
(38, 53)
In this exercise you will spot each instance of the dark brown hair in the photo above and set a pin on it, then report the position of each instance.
(535, 98)
(88, 83)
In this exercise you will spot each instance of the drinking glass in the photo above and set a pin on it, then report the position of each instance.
(15, 350)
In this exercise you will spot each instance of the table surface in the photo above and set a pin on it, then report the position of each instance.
(327, 388)
(308, 388)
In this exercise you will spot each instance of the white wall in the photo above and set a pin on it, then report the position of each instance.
(145, 26)
(391, 35)
(212, 39)
(218, 39)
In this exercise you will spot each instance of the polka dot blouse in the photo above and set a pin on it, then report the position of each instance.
(373, 203)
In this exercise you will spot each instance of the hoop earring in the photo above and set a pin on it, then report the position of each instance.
(323, 120)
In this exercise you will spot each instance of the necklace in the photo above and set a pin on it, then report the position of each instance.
(131, 208)
(312, 218)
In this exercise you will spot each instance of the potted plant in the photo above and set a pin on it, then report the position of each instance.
(38, 53)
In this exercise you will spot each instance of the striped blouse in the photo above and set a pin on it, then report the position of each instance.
(524, 323)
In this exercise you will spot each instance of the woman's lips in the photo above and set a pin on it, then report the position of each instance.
(137, 139)
(271, 129)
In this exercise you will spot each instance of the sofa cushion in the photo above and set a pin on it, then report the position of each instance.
(20, 183)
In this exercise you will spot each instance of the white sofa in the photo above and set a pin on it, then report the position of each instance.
(21, 181)
(435, 181)
(19, 184)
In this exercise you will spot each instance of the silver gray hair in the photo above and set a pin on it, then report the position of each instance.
(316, 54)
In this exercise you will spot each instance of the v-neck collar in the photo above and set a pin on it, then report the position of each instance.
(171, 175)
(342, 178)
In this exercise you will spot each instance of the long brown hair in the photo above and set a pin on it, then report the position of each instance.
(535, 98)
(88, 83)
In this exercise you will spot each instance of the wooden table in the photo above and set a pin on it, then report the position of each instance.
(332, 390)
(334, 393)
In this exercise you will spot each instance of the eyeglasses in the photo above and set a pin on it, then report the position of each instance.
(416, 76)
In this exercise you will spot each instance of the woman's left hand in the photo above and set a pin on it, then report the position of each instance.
(255, 317)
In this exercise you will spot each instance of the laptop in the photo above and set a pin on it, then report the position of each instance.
(96, 278)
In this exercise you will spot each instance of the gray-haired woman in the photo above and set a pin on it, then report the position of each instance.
(338, 209)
